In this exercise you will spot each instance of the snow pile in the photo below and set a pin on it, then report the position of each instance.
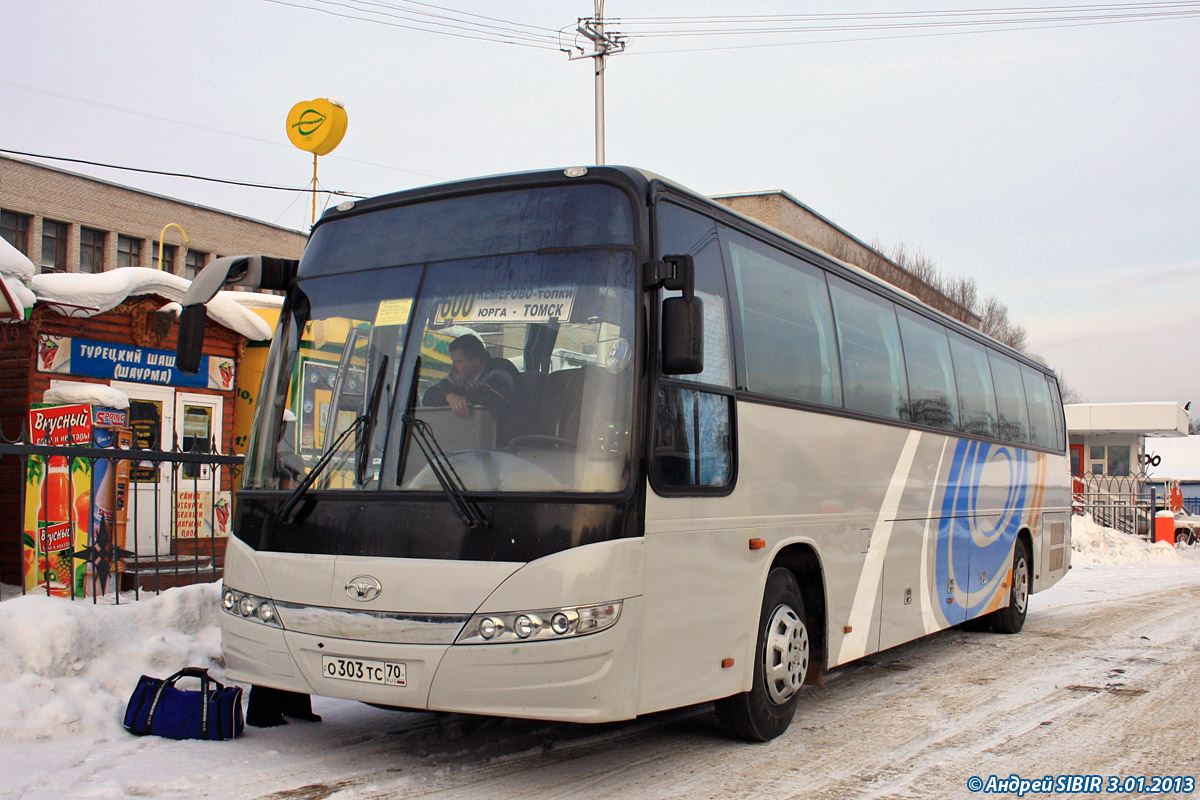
(104, 291)
(1092, 543)
(69, 667)
(15, 268)
(68, 393)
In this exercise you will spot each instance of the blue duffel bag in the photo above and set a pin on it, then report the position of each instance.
(157, 707)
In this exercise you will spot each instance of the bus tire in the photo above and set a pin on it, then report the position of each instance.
(781, 663)
(1012, 618)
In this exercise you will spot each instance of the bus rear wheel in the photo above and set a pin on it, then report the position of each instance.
(1012, 618)
(781, 663)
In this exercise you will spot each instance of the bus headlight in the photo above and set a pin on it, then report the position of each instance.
(525, 626)
(531, 626)
(489, 627)
(250, 607)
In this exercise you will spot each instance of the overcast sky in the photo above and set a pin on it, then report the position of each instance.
(1059, 168)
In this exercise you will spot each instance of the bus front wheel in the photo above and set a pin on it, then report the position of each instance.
(781, 662)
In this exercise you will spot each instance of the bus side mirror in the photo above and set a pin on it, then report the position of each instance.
(254, 272)
(682, 336)
(682, 319)
(190, 342)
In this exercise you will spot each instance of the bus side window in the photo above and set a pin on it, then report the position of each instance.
(1056, 409)
(1042, 430)
(873, 377)
(976, 394)
(933, 396)
(1010, 398)
(692, 439)
(788, 341)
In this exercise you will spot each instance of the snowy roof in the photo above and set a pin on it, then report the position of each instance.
(14, 263)
(14, 269)
(106, 290)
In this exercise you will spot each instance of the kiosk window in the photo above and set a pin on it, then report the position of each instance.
(197, 436)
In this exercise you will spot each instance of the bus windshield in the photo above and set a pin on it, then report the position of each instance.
(517, 367)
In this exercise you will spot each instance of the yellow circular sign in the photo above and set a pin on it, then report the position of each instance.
(316, 125)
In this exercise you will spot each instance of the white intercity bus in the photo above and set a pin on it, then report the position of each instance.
(711, 463)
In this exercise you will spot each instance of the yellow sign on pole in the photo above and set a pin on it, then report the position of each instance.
(316, 126)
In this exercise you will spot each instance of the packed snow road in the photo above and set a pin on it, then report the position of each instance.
(1104, 680)
(1102, 685)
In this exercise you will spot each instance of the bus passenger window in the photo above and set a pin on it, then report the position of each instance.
(1010, 398)
(1056, 410)
(787, 324)
(976, 397)
(872, 363)
(933, 399)
(1042, 430)
(692, 439)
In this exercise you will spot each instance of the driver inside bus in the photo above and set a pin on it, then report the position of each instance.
(475, 379)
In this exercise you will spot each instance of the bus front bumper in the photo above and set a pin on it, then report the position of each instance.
(590, 678)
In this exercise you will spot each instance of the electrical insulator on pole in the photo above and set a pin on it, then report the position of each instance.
(604, 44)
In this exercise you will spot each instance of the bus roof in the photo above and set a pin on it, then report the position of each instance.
(644, 184)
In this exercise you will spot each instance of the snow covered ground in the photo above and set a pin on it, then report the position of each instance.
(1103, 679)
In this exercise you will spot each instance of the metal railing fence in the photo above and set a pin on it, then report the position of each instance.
(160, 522)
(1121, 502)
(1126, 503)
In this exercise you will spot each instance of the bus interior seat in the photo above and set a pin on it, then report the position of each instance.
(548, 404)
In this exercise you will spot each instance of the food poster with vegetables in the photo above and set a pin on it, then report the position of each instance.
(202, 515)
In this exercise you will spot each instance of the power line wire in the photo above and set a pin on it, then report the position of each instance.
(481, 38)
(768, 18)
(479, 16)
(1039, 25)
(181, 174)
(205, 128)
(500, 33)
(1032, 23)
(535, 32)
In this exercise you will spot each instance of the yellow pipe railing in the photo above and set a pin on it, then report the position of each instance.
(163, 235)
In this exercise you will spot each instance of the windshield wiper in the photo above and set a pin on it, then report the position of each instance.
(364, 446)
(422, 432)
(286, 512)
(364, 423)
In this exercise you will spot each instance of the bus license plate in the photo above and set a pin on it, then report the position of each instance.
(356, 669)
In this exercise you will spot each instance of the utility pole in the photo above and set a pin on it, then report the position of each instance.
(604, 44)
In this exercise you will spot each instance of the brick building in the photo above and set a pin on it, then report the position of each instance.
(66, 222)
(69, 223)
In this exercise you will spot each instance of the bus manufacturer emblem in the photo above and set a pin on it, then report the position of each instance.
(364, 588)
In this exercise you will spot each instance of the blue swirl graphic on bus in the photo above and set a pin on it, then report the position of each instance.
(981, 514)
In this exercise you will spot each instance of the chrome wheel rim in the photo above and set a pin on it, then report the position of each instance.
(1020, 586)
(785, 655)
